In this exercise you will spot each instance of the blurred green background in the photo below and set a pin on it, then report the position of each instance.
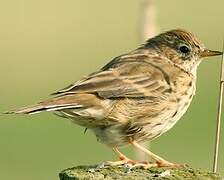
(47, 44)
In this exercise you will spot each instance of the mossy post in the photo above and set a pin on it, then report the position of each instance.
(123, 173)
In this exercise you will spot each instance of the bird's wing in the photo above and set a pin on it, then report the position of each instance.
(127, 76)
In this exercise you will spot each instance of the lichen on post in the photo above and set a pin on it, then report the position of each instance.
(112, 173)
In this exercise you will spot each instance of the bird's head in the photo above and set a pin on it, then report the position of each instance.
(181, 47)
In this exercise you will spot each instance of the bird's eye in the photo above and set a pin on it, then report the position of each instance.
(184, 49)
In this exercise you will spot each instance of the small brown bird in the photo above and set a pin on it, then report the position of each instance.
(135, 97)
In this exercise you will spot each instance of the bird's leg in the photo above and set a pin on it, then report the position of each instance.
(160, 162)
(129, 162)
(124, 160)
(122, 157)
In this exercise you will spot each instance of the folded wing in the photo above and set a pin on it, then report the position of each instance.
(123, 78)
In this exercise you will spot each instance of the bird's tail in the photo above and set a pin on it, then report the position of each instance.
(54, 104)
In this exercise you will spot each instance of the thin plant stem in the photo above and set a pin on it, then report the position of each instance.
(219, 116)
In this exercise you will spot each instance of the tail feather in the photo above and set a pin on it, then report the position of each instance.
(26, 110)
(38, 108)
(55, 104)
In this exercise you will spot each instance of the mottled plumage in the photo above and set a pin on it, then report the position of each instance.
(137, 96)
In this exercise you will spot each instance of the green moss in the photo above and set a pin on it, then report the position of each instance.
(111, 173)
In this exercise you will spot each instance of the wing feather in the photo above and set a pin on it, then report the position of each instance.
(123, 78)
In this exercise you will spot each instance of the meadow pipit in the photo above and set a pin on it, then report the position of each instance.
(135, 97)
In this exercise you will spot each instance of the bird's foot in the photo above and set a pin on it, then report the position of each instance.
(127, 162)
(123, 161)
(168, 164)
(147, 165)
(131, 164)
(144, 165)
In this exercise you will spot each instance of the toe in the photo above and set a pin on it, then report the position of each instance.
(168, 164)
(121, 162)
(144, 165)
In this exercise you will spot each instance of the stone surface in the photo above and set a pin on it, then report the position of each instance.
(124, 173)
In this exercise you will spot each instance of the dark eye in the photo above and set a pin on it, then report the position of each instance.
(184, 49)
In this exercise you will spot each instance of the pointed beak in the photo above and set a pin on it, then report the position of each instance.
(208, 53)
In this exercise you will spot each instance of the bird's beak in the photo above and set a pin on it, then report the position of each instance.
(208, 53)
